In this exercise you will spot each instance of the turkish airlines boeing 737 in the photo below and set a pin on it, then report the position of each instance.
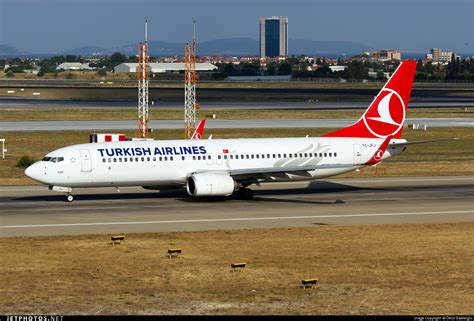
(220, 167)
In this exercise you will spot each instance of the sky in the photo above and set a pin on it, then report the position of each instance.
(53, 26)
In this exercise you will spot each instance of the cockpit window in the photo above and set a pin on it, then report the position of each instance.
(53, 159)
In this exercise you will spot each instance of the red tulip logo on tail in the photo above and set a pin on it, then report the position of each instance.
(387, 119)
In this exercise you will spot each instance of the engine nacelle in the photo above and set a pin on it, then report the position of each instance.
(210, 184)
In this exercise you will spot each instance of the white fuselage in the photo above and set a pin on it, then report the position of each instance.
(168, 163)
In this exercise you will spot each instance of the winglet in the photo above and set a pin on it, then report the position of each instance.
(377, 158)
(199, 130)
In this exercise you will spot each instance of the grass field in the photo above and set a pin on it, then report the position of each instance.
(71, 113)
(387, 269)
(444, 158)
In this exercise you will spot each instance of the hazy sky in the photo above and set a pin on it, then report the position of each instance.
(46, 26)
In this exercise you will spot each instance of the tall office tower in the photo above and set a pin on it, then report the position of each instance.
(273, 37)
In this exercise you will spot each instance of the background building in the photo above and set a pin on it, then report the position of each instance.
(273, 37)
(160, 67)
(437, 55)
(73, 66)
(385, 55)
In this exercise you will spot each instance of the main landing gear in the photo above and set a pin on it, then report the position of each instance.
(69, 198)
(244, 194)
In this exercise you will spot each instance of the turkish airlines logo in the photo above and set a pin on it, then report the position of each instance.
(197, 136)
(378, 155)
(387, 114)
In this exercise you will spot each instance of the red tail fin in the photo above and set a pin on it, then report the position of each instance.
(386, 114)
(199, 130)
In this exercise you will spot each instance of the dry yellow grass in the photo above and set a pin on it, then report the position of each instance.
(391, 269)
(71, 113)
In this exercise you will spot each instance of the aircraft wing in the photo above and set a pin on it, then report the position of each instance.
(245, 173)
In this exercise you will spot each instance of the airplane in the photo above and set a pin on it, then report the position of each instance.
(222, 167)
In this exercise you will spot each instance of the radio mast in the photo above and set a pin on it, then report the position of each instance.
(143, 86)
(190, 78)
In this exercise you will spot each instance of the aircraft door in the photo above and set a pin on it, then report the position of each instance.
(86, 162)
(357, 154)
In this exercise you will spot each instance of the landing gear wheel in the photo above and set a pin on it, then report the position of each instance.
(69, 198)
(244, 194)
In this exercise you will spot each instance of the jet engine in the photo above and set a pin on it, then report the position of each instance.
(210, 184)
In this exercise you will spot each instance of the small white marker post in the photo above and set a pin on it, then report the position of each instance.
(3, 148)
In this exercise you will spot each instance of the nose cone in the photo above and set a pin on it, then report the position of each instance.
(34, 172)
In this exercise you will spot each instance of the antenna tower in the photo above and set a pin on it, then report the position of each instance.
(190, 78)
(143, 86)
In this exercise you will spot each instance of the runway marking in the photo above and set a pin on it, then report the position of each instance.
(235, 219)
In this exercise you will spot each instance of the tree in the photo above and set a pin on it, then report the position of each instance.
(272, 68)
(284, 68)
(116, 59)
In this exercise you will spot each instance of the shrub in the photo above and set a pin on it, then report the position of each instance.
(102, 72)
(25, 161)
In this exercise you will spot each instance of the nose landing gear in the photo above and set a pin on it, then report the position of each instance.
(69, 198)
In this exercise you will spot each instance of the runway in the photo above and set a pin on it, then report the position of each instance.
(216, 123)
(33, 210)
(20, 102)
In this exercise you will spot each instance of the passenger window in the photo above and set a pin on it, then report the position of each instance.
(166, 158)
(252, 156)
(268, 155)
(103, 160)
(161, 158)
(335, 154)
(320, 154)
(182, 157)
(115, 160)
(125, 159)
(136, 159)
(148, 159)
(143, 159)
(218, 156)
(247, 156)
(330, 154)
(279, 155)
(225, 156)
(120, 159)
(231, 157)
(284, 155)
(274, 155)
(208, 156)
(256, 155)
(325, 154)
(110, 160)
(171, 158)
(154, 159)
(131, 159)
(263, 155)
